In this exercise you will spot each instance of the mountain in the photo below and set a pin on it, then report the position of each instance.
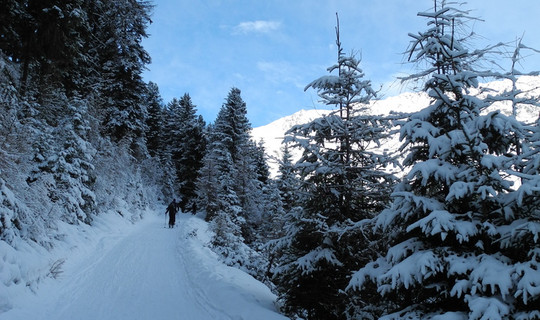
(273, 133)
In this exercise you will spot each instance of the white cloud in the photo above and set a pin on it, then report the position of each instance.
(259, 26)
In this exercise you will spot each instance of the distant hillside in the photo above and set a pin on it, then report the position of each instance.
(272, 134)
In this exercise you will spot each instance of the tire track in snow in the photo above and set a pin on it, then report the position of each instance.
(148, 272)
(185, 235)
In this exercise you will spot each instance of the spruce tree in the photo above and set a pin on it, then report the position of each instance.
(230, 187)
(238, 127)
(235, 129)
(63, 165)
(14, 18)
(47, 37)
(57, 66)
(192, 148)
(342, 181)
(287, 181)
(73, 169)
(217, 187)
(261, 162)
(185, 143)
(171, 139)
(462, 234)
(122, 26)
(207, 183)
(155, 120)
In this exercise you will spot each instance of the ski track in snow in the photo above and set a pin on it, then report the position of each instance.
(149, 272)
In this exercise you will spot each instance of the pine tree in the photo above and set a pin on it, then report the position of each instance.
(217, 184)
(63, 165)
(207, 182)
(155, 120)
(249, 189)
(342, 181)
(456, 248)
(57, 61)
(234, 128)
(230, 187)
(12, 23)
(287, 181)
(261, 162)
(191, 151)
(73, 170)
(186, 143)
(172, 138)
(122, 26)
(238, 126)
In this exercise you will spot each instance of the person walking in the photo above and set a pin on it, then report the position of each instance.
(171, 210)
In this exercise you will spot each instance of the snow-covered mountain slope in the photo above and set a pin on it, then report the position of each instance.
(145, 271)
(272, 134)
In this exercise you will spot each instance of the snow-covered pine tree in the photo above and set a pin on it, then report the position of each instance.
(121, 26)
(236, 130)
(261, 162)
(287, 181)
(47, 37)
(157, 168)
(55, 164)
(73, 170)
(12, 19)
(191, 148)
(185, 143)
(217, 193)
(172, 142)
(63, 166)
(13, 144)
(286, 187)
(207, 183)
(518, 233)
(171, 138)
(250, 188)
(155, 120)
(464, 241)
(229, 188)
(342, 181)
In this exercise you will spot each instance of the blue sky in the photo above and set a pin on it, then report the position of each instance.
(271, 49)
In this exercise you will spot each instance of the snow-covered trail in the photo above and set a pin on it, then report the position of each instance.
(150, 272)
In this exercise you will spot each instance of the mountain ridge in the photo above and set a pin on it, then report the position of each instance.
(273, 133)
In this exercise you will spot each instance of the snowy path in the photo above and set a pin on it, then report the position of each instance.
(149, 272)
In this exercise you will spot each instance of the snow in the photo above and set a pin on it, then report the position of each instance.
(308, 262)
(441, 222)
(486, 308)
(408, 102)
(490, 274)
(141, 271)
(528, 286)
(412, 270)
(273, 133)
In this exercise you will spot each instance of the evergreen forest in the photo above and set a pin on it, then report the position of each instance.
(445, 227)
